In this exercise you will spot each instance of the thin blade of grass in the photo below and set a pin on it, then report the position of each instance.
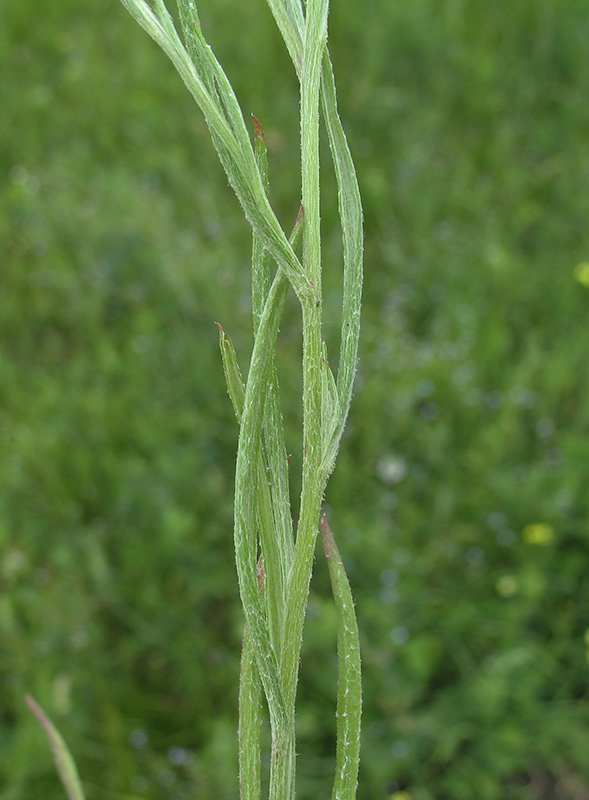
(292, 27)
(329, 400)
(246, 500)
(349, 690)
(274, 521)
(64, 762)
(275, 559)
(276, 528)
(260, 256)
(350, 211)
(233, 378)
(190, 23)
(275, 449)
(289, 18)
(229, 134)
(275, 564)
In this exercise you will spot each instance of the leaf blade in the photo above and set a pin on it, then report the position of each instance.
(63, 759)
(233, 377)
(349, 694)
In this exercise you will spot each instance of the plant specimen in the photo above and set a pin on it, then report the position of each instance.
(274, 557)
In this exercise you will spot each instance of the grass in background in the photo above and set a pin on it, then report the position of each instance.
(469, 127)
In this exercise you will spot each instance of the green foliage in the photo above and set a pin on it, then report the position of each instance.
(119, 612)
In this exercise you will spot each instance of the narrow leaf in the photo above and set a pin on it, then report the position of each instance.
(275, 558)
(190, 25)
(228, 131)
(349, 690)
(274, 540)
(246, 501)
(62, 757)
(291, 23)
(329, 400)
(235, 384)
(275, 447)
(350, 210)
(260, 255)
(297, 232)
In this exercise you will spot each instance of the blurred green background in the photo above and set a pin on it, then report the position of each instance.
(460, 500)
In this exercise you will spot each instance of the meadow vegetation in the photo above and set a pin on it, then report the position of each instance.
(462, 485)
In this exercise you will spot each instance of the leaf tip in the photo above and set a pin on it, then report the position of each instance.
(258, 130)
(327, 536)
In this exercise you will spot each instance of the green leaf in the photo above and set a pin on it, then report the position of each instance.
(349, 690)
(329, 401)
(275, 448)
(227, 127)
(272, 512)
(275, 518)
(62, 757)
(288, 16)
(260, 255)
(350, 211)
(247, 499)
(235, 384)
(194, 43)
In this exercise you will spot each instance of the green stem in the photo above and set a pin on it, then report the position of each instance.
(275, 619)
(250, 722)
(283, 762)
(312, 480)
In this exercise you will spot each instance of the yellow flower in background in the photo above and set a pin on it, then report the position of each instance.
(586, 637)
(538, 533)
(400, 796)
(581, 273)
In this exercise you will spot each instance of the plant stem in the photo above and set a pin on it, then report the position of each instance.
(275, 612)
(250, 722)
(312, 483)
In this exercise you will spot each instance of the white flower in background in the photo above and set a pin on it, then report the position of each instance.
(391, 469)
